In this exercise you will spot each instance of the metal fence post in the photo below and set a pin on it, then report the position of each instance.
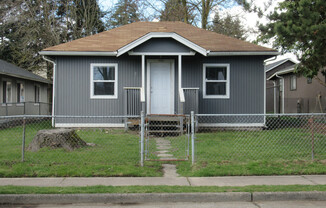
(312, 138)
(23, 141)
(192, 137)
(142, 128)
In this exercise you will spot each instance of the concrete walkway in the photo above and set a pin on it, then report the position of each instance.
(169, 180)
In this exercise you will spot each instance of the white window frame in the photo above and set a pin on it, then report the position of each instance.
(92, 81)
(227, 81)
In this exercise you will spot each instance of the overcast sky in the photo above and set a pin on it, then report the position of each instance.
(247, 19)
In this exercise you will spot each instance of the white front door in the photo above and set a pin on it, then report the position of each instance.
(160, 87)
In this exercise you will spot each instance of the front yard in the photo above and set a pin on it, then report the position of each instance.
(116, 153)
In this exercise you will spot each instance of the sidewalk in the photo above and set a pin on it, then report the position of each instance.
(168, 181)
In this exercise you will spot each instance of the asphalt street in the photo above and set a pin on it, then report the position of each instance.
(265, 204)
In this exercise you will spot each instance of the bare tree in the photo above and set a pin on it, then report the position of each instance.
(177, 10)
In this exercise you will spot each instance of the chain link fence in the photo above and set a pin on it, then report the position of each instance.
(243, 138)
(30, 146)
(167, 138)
(120, 145)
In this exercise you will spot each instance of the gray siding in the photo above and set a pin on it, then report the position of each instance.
(73, 84)
(162, 45)
(246, 84)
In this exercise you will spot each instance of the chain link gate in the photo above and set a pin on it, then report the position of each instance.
(167, 137)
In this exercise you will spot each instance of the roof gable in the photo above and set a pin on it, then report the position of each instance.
(119, 40)
(161, 45)
(151, 35)
(278, 63)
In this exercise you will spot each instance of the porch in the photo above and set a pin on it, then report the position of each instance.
(133, 103)
(161, 91)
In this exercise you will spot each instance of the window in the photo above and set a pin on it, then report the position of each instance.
(20, 93)
(293, 82)
(7, 92)
(216, 82)
(309, 80)
(37, 93)
(104, 80)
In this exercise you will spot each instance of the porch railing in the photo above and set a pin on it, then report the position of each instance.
(25, 108)
(132, 100)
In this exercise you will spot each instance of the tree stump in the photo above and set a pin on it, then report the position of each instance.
(56, 138)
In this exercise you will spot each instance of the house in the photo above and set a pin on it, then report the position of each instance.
(288, 92)
(22, 92)
(160, 68)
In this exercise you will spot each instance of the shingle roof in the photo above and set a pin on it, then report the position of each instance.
(112, 40)
(277, 63)
(12, 70)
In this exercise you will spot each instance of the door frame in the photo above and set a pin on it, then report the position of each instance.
(172, 85)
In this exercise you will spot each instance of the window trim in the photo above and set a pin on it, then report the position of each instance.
(291, 82)
(227, 81)
(11, 92)
(39, 95)
(20, 83)
(115, 95)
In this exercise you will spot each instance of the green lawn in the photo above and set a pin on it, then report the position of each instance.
(116, 154)
(269, 152)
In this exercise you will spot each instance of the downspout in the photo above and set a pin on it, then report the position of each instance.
(274, 85)
(53, 87)
(265, 62)
(282, 90)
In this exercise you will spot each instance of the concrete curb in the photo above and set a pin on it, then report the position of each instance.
(122, 198)
(159, 197)
(289, 196)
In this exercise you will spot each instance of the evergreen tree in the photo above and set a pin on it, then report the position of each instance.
(230, 26)
(299, 26)
(124, 12)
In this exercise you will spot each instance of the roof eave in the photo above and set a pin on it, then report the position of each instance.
(78, 53)
(27, 78)
(243, 53)
(285, 60)
(281, 73)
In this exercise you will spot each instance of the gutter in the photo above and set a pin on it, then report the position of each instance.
(280, 72)
(53, 86)
(77, 53)
(244, 53)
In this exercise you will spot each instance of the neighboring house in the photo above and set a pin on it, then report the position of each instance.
(288, 92)
(160, 68)
(22, 92)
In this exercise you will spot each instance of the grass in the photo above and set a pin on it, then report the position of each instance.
(155, 189)
(270, 152)
(115, 154)
(283, 151)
